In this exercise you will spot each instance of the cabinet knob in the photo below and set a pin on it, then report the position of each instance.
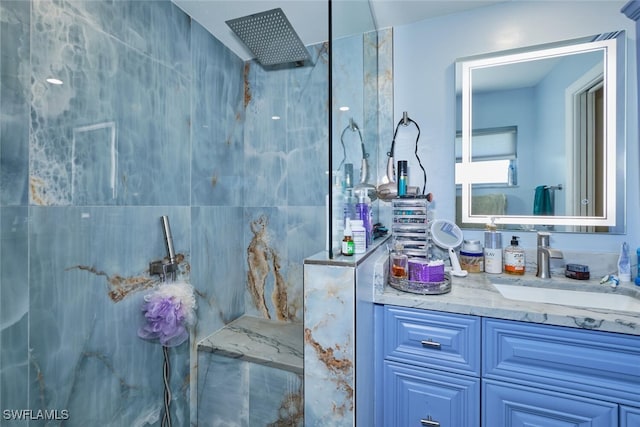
(429, 422)
(429, 343)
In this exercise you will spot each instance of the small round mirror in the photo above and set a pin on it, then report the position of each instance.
(448, 235)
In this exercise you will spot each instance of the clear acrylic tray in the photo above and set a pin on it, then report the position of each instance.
(422, 288)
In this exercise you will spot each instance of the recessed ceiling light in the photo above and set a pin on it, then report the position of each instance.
(275, 117)
(54, 81)
(345, 108)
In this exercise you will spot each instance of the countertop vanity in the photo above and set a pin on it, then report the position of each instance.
(476, 295)
(473, 357)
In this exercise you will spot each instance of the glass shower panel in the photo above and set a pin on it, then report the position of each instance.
(354, 109)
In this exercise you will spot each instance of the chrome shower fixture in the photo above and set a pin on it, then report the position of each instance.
(270, 37)
(168, 238)
(363, 183)
(166, 269)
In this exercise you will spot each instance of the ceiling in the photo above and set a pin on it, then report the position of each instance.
(309, 17)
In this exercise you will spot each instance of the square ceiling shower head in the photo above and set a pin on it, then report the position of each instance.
(270, 37)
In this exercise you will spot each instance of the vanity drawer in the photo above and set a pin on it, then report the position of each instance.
(415, 396)
(505, 404)
(432, 339)
(589, 363)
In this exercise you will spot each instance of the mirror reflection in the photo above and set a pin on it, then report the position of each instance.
(537, 137)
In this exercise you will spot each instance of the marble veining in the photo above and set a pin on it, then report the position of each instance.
(262, 260)
(329, 344)
(119, 287)
(341, 369)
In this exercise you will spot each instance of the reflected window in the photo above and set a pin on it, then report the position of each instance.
(493, 144)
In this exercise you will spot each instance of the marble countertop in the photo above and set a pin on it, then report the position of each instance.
(476, 295)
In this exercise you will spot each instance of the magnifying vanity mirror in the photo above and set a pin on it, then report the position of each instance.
(541, 137)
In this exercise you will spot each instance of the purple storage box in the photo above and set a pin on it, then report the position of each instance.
(421, 270)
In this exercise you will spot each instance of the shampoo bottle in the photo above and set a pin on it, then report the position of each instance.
(514, 261)
(402, 178)
(492, 250)
(363, 210)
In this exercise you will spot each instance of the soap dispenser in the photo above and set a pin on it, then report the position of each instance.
(514, 261)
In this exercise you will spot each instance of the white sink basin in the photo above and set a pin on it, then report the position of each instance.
(572, 298)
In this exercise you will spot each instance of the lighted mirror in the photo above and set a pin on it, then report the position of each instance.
(540, 141)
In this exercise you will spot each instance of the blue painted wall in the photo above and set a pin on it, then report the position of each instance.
(424, 85)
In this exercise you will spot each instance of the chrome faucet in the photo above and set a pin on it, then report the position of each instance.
(545, 253)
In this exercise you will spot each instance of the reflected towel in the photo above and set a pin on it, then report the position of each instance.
(489, 204)
(542, 201)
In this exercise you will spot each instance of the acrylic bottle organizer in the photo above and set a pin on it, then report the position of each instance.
(411, 229)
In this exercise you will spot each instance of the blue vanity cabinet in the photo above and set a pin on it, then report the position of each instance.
(556, 376)
(629, 417)
(445, 369)
(431, 368)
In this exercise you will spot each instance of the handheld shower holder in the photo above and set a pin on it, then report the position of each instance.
(164, 269)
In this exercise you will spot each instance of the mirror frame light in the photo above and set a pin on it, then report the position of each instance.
(467, 172)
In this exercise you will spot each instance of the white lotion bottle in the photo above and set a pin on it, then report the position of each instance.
(492, 250)
(359, 236)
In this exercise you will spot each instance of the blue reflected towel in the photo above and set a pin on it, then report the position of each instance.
(542, 201)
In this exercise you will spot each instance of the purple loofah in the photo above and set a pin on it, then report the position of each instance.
(169, 311)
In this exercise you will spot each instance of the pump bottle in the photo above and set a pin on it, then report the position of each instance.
(363, 210)
(514, 261)
(492, 249)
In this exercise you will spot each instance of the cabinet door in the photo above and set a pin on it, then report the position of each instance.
(629, 417)
(510, 405)
(415, 396)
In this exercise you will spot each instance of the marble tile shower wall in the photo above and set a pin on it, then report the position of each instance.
(156, 117)
(285, 175)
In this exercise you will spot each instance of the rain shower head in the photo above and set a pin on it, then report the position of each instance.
(270, 37)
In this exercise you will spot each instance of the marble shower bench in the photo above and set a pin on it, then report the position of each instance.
(250, 373)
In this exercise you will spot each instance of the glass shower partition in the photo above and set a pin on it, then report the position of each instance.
(353, 136)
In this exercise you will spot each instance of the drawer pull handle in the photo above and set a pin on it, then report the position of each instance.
(429, 343)
(429, 422)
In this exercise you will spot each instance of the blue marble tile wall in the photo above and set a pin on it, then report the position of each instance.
(285, 172)
(231, 392)
(155, 117)
(14, 131)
